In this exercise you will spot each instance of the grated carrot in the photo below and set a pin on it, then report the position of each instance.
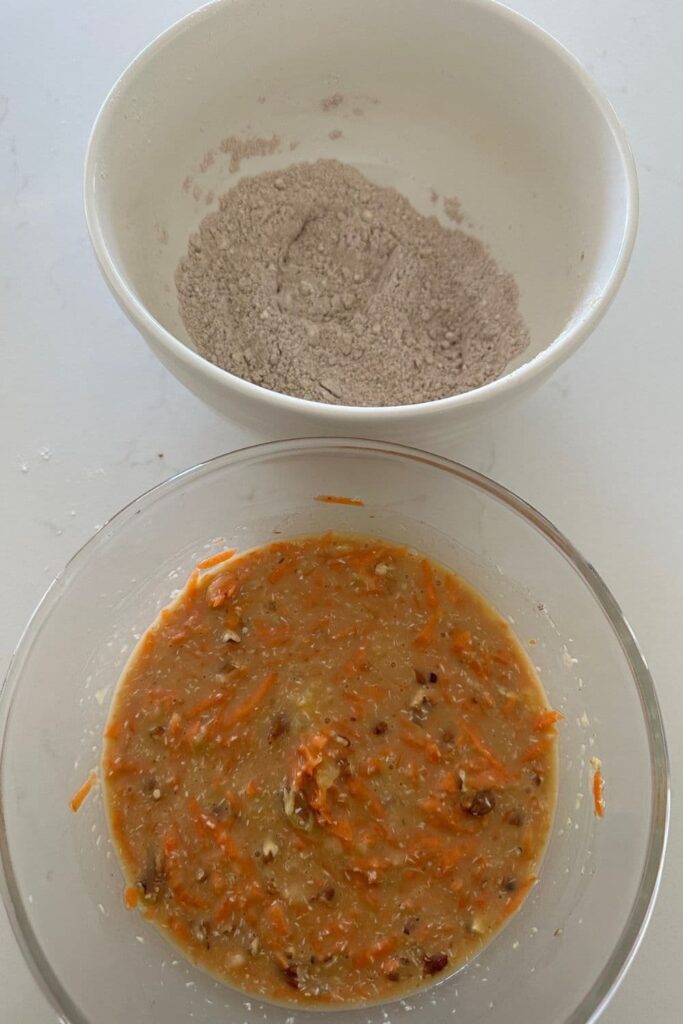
(130, 897)
(281, 570)
(80, 795)
(361, 790)
(250, 702)
(335, 499)
(356, 661)
(477, 742)
(220, 589)
(222, 556)
(375, 951)
(536, 750)
(546, 719)
(212, 701)
(426, 634)
(278, 918)
(598, 790)
(462, 641)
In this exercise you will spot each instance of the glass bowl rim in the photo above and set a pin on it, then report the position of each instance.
(606, 984)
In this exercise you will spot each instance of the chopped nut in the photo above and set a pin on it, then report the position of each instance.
(381, 569)
(420, 705)
(254, 946)
(231, 637)
(270, 850)
(291, 974)
(279, 726)
(434, 963)
(480, 803)
(201, 875)
(156, 794)
(297, 809)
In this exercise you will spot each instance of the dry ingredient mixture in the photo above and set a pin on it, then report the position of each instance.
(329, 770)
(315, 282)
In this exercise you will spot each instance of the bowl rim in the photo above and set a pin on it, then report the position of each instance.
(575, 332)
(596, 999)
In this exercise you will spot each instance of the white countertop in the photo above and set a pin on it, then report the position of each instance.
(88, 417)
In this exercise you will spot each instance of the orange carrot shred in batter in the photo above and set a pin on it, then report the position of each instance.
(547, 718)
(248, 705)
(426, 634)
(77, 799)
(130, 897)
(222, 556)
(599, 792)
(338, 499)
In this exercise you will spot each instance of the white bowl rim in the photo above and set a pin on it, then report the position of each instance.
(606, 984)
(560, 348)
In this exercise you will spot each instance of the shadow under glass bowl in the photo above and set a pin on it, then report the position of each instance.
(556, 962)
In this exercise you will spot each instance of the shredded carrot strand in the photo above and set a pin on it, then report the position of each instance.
(426, 634)
(130, 897)
(360, 789)
(220, 589)
(375, 951)
(536, 750)
(278, 918)
(462, 641)
(356, 661)
(599, 793)
(421, 741)
(222, 556)
(546, 719)
(247, 706)
(80, 795)
(212, 701)
(336, 499)
(281, 570)
(477, 742)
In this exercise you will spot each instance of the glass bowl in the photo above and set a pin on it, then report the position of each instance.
(555, 962)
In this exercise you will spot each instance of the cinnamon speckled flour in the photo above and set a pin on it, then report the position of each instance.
(315, 282)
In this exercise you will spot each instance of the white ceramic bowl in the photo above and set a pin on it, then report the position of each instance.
(462, 96)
